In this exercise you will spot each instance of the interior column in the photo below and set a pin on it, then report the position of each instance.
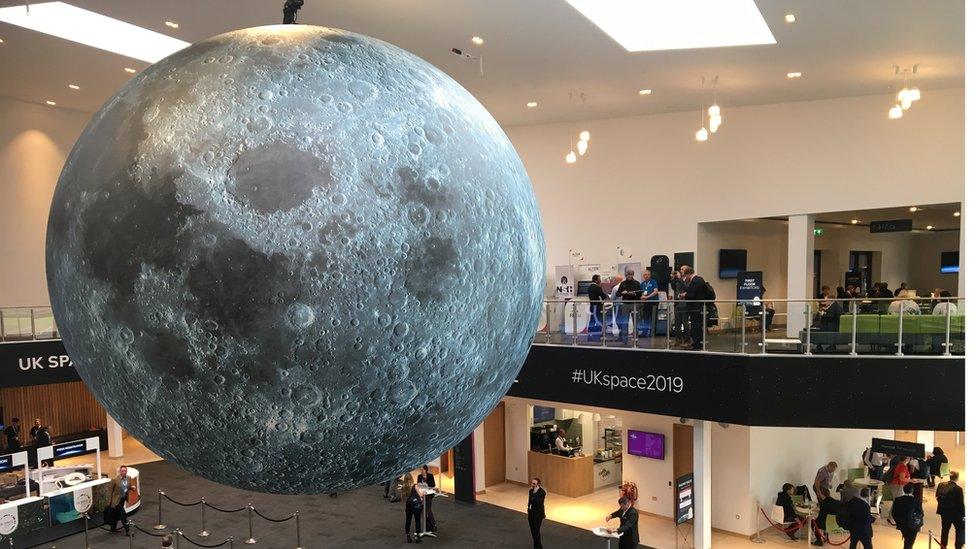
(703, 484)
(114, 437)
(799, 271)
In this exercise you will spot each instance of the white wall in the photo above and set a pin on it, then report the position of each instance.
(926, 255)
(646, 183)
(765, 241)
(518, 419)
(779, 455)
(34, 141)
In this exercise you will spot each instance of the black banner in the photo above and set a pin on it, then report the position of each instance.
(464, 489)
(35, 363)
(891, 226)
(684, 499)
(898, 448)
(748, 286)
(769, 390)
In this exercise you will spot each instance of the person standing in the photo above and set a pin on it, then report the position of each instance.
(680, 327)
(900, 475)
(906, 511)
(875, 462)
(821, 483)
(697, 292)
(428, 478)
(952, 508)
(536, 511)
(860, 521)
(34, 429)
(650, 296)
(596, 295)
(629, 536)
(629, 292)
(935, 465)
(12, 432)
(122, 485)
(413, 506)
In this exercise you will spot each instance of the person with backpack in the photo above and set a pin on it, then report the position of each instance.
(697, 290)
(952, 509)
(414, 506)
(858, 520)
(906, 511)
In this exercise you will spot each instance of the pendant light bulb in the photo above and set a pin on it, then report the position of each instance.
(904, 95)
(914, 94)
(895, 112)
(581, 146)
(714, 122)
(571, 157)
(584, 135)
(701, 135)
(714, 110)
(905, 103)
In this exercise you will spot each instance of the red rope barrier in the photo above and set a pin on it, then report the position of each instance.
(796, 525)
(827, 538)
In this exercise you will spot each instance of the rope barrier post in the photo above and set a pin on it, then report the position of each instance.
(575, 330)
(159, 517)
(232, 542)
(87, 545)
(250, 526)
(930, 539)
(298, 531)
(758, 538)
(177, 534)
(129, 535)
(203, 519)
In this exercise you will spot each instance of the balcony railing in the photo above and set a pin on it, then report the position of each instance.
(885, 326)
(27, 324)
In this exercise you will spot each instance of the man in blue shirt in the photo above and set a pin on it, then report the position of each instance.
(650, 296)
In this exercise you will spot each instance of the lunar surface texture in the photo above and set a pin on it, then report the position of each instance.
(295, 259)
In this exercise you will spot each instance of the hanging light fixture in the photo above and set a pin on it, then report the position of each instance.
(714, 112)
(906, 96)
(581, 146)
(895, 112)
(702, 133)
(571, 157)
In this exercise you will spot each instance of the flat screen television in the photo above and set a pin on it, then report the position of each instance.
(644, 444)
(543, 413)
(730, 262)
(950, 263)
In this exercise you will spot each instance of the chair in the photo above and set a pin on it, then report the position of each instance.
(855, 473)
(777, 514)
(944, 470)
(832, 527)
(886, 493)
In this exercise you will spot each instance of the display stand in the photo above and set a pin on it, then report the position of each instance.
(427, 491)
(604, 532)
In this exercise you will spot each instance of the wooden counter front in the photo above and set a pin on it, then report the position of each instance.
(571, 477)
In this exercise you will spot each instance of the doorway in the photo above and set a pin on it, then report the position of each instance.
(495, 446)
(862, 262)
(683, 454)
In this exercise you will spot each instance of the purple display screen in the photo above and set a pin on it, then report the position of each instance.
(650, 445)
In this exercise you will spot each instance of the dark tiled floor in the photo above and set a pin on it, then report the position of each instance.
(354, 519)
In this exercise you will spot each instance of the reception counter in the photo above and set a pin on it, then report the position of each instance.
(567, 476)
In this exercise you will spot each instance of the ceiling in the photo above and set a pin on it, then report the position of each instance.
(544, 51)
(939, 216)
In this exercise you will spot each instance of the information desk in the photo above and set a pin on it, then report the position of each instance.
(567, 476)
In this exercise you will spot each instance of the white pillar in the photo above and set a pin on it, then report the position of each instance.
(799, 271)
(703, 484)
(114, 437)
(479, 458)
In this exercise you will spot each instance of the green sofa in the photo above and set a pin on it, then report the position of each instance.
(879, 333)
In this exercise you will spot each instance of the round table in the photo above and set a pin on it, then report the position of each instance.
(603, 532)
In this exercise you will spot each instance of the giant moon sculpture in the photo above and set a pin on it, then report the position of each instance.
(295, 259)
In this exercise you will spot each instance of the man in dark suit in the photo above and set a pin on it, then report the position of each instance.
(860, 521)
(119, 494)
(628, 524)
(828, 506)
(695, 290)
(903, 511)
(537, 511)
(12, 433)
(427, 477)
(952, 509)
(596, 295)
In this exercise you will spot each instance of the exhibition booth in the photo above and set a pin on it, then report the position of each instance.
(53, 501)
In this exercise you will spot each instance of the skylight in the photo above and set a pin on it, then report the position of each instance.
(93, 29)
(655, 25)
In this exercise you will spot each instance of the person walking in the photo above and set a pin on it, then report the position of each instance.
(413, 506)
(536, 511)
(860, 521)
(906, 511)
(952, 508)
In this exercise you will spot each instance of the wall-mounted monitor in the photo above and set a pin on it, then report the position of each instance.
(731, 262)
(644, 444)
(543, 413)
(950, 263)
(684, 258)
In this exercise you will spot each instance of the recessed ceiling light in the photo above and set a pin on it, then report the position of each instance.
(49, 102)
(790, 18)
(531, 104)
(955, 214)
(1, 40)
(792, 75)
(93, 29)
(477, 40)
(74, 86)
(129, 70)
(645, 92)
(913, 209)
(855, 221)
(654, 25)
(929, 227)
(172, 25)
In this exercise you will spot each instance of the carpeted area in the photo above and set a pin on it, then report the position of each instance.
(361, 518)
